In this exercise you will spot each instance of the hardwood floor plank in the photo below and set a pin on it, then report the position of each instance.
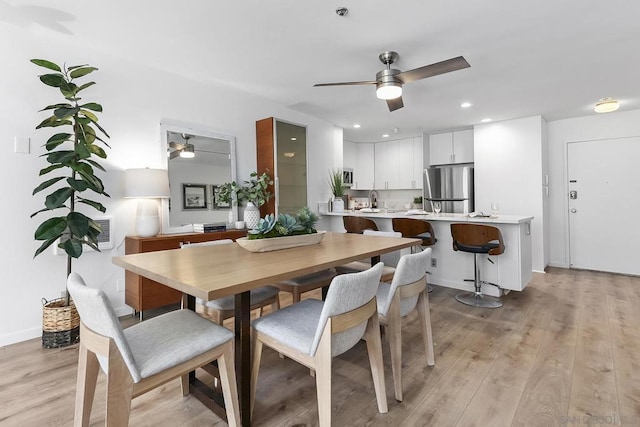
(625, 337)
(545, 399)
(497, 398)
(593, 388)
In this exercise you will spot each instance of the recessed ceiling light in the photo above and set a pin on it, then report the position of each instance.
(466, 105)
(357, 126)
(385, 135)
(606, 105)
(294, 138)
(486, 120)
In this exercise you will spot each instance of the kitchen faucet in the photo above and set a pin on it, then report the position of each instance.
(373, 198)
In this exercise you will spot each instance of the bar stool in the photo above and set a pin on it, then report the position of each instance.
(416, 229)
(356, 224)
(477, 239)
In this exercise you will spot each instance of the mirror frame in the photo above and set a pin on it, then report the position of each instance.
(178, 127)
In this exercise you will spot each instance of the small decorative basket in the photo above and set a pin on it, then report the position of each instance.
(60, 324)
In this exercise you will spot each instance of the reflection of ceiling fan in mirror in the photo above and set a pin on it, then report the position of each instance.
(184, 150)
(389, 81)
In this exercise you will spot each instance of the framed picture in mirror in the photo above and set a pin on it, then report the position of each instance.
(194, 196)
(217, 203)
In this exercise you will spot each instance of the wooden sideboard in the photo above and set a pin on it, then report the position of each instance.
(143, 294)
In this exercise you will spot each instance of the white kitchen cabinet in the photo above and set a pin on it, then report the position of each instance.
(451, 147)
(349, 155)
(418, 166)
(363, 172)
(398, 164)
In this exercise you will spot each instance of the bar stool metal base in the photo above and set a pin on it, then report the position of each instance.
(476, 299)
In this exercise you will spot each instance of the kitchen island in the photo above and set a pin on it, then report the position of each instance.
(511, 271)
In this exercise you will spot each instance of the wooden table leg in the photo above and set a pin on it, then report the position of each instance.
(243, 354)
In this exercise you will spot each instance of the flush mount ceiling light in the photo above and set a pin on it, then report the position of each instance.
(356, 126)
(606, 105)
(486, 120)
(385, 135)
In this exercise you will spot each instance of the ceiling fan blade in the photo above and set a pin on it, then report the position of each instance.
(395, 104)
(345, 83)
(438, 68)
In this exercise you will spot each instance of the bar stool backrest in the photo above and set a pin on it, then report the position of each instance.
(477, 235)
(414, 228)
(356, 224)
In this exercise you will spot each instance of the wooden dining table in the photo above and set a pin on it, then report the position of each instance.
(211, 272)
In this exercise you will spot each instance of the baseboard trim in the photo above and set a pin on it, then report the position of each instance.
(19, 336)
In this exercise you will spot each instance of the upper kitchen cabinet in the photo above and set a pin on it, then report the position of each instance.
(451, 147)
(360, 158)
(398, 164)
(281, 150)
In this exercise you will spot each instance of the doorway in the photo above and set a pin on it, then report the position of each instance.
(604, 205)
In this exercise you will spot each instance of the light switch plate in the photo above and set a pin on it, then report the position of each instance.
(21, 144)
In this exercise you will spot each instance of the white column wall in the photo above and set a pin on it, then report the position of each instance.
(135, 99)
(508, 170)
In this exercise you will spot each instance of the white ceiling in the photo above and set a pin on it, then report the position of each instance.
(527, 58)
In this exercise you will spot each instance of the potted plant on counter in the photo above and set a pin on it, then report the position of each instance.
(417, 202)
(71, 156)
(336, 185)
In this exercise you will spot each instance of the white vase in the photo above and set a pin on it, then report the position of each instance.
(338, 205)
(251, 216)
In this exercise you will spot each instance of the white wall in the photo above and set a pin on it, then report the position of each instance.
(594, 127)
(135, 99)
(508, 170)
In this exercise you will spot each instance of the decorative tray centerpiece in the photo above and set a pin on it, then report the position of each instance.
(287, 231)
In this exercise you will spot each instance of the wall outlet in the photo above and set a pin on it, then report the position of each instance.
(434, 262)
(120, 285)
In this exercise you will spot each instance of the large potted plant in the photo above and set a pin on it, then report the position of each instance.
(69, 178)
(253, 191)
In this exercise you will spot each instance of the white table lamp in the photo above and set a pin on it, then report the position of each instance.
(147, 185)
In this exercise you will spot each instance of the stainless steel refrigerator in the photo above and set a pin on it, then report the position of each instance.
(452, 186)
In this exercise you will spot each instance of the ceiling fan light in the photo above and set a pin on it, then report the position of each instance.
(606, 105)
(187, 152)
(388, 90)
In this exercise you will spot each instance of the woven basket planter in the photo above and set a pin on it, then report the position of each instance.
(60, 324)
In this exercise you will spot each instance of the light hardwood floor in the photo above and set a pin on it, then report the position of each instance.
(564, 352)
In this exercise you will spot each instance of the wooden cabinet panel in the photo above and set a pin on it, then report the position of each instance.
(144, 294)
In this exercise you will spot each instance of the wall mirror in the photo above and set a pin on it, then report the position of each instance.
(198, 161)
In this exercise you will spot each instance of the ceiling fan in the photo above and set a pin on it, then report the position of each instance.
(389, 81)
(184, 150)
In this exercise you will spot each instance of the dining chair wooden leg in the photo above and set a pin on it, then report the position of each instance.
(323, 378)
(374, 348)
(119, 390)
(229, 385)
(255, 368)
(424, 316)
(295, 295)
(88, 368)
(184, 384)
(394, 336)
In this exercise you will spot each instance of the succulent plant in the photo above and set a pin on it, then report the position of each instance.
(265, 225)
(307, 219)
(286, 225)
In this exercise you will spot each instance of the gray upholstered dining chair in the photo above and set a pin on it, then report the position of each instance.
(399, 298)
(390, 260)
(312, 332)
(144, 356)
(224, 308)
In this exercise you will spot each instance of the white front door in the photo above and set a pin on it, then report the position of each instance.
(604, 205)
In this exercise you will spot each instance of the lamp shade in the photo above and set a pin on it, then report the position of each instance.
(145, 183)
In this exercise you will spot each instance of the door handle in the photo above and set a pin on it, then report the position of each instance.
(574, 210)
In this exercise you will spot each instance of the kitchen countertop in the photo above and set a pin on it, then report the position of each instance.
(446, 217)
